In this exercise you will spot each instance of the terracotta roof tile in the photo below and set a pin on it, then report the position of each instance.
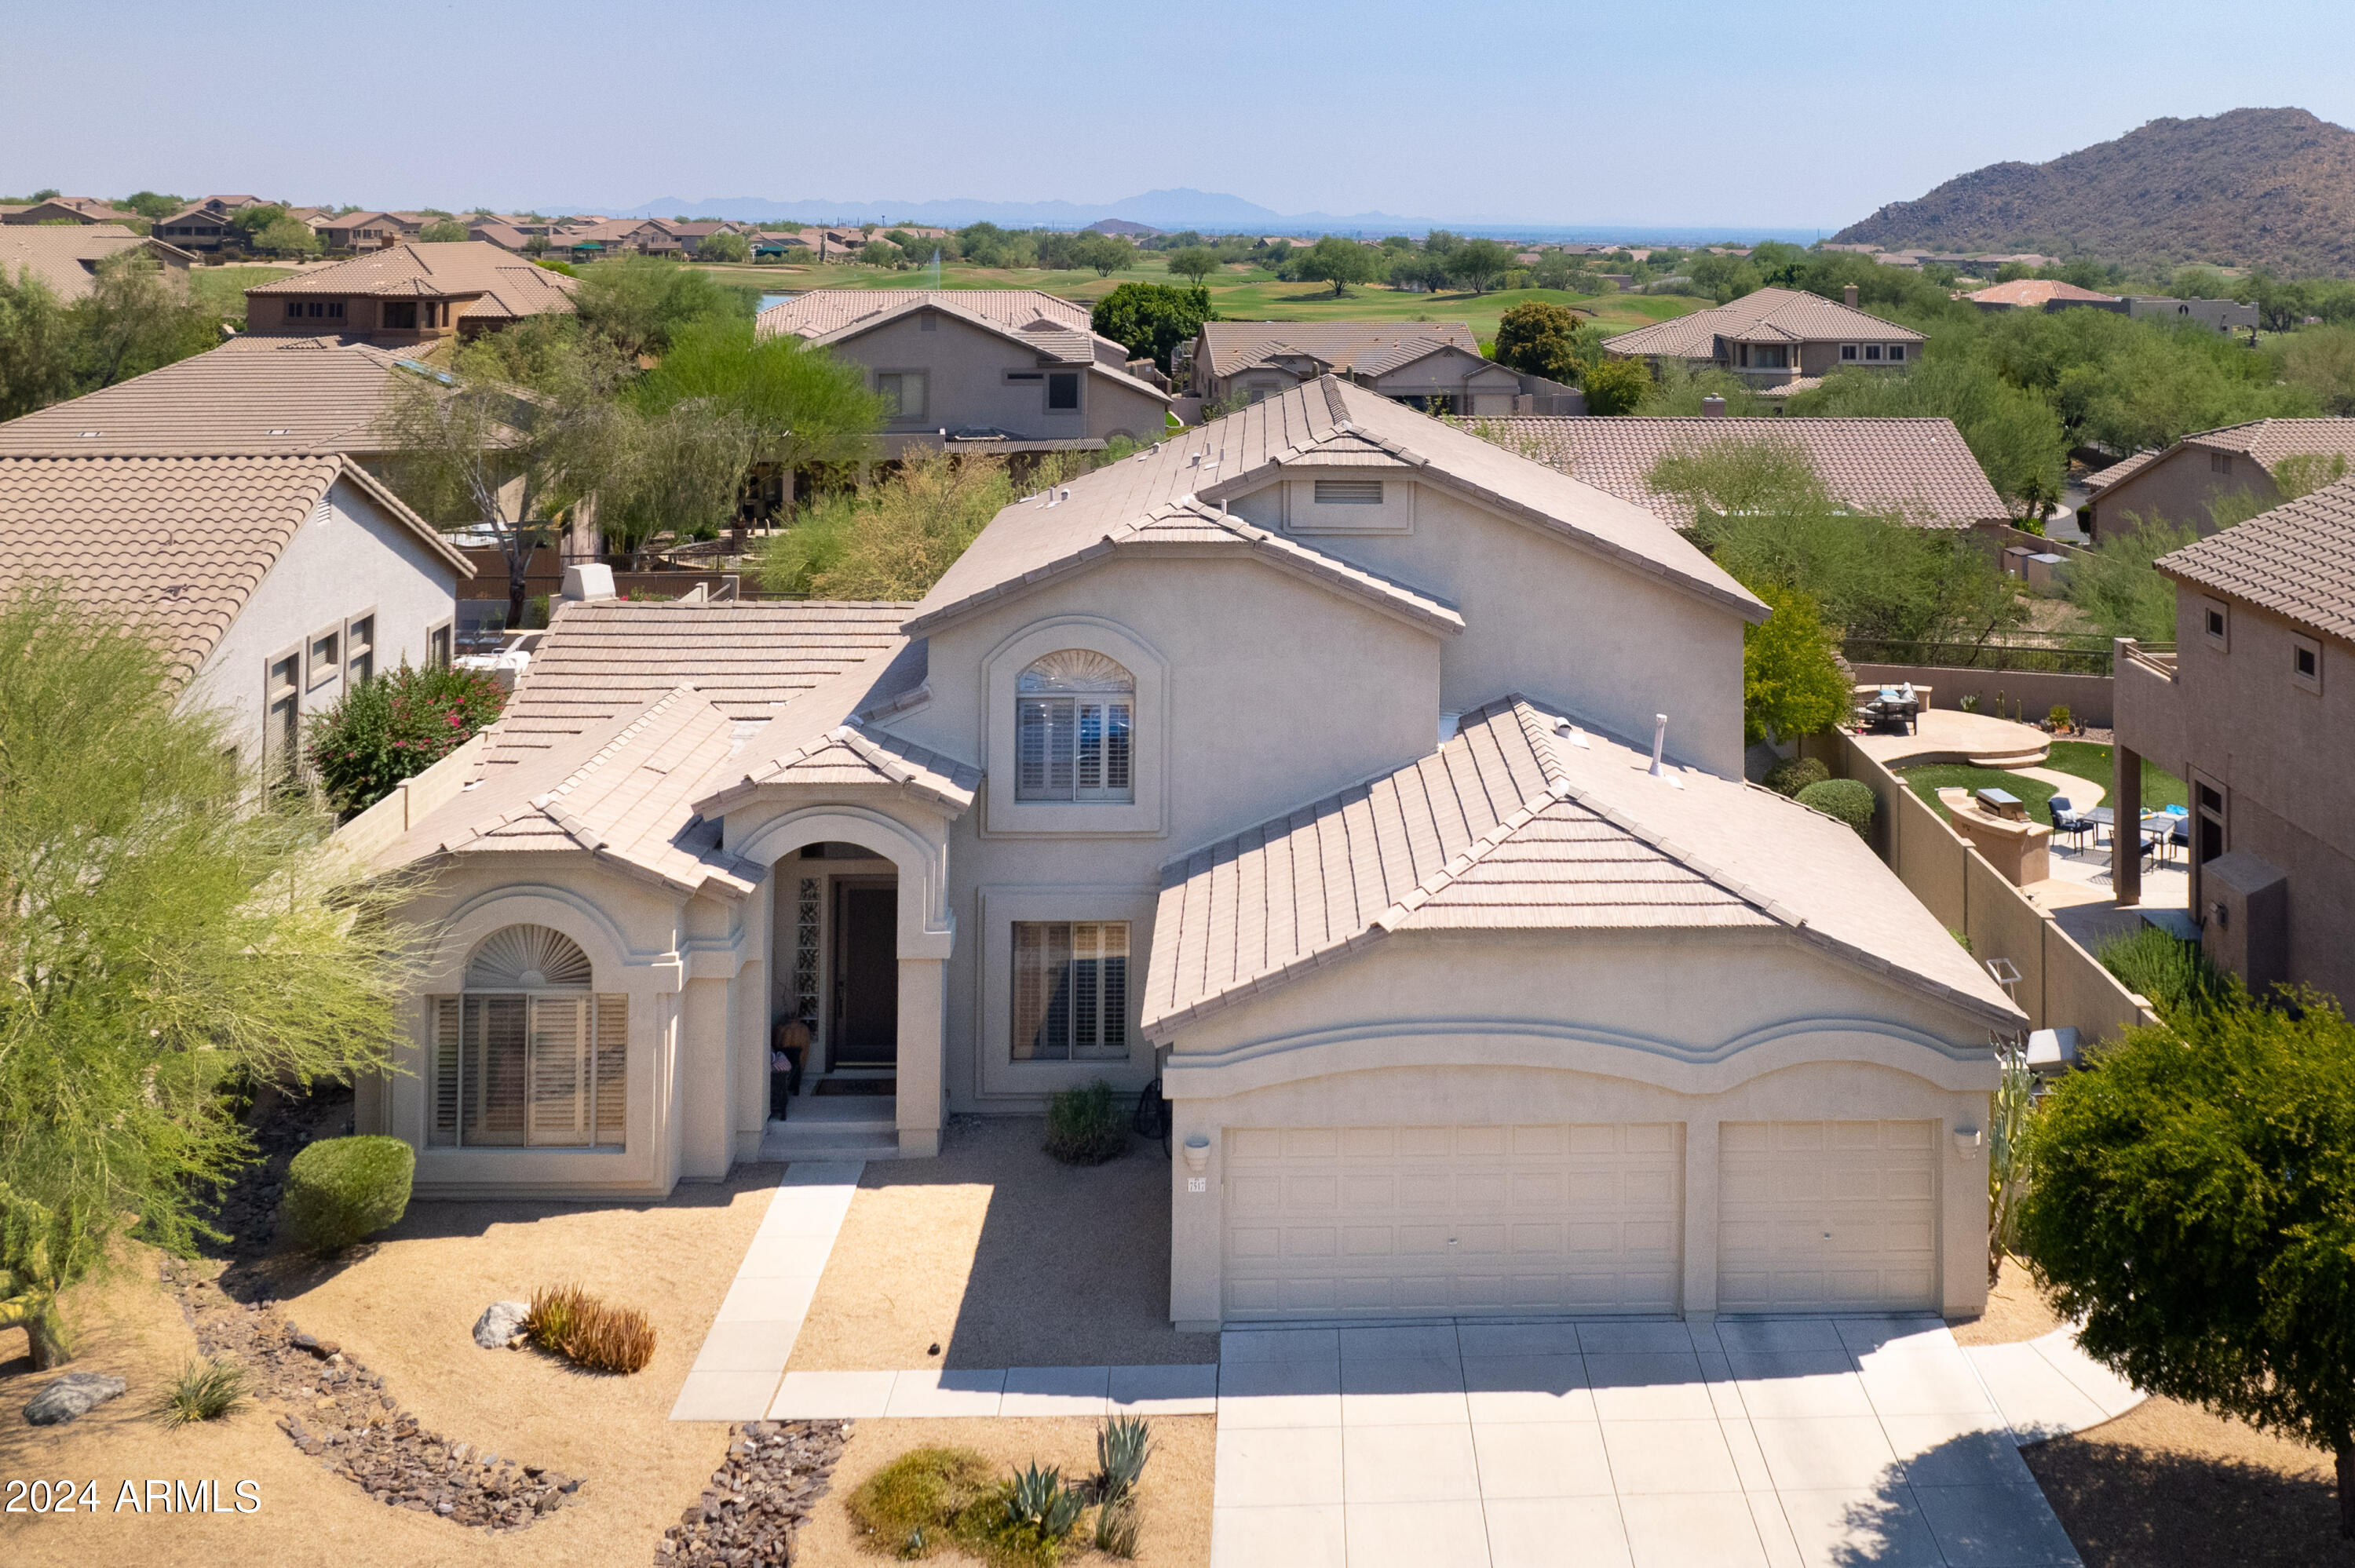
(1342, 346)
(2298, 559)
(1767, 315)
(65, 258)
(254, 394)
(822, 312)
(509, 287)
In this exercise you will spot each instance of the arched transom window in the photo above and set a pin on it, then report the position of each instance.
(529, 1056)
(1075, 712)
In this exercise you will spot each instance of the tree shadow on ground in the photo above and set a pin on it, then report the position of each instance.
(2126, 1504)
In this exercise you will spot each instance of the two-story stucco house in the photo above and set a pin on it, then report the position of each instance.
(276, 580)
(1778, 341)
(1375, 789)
(2243, 465)
(1009, 371)
(2254, 707)
(1436, 366)
(409, 293)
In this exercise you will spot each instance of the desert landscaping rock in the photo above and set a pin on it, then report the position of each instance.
(501, 1321)
(74, 1395)
(773, 1475)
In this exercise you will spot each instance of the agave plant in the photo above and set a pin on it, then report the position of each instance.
(1123, 1445)
(1037, 1500)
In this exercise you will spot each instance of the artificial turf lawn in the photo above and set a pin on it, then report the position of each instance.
(2081, 757)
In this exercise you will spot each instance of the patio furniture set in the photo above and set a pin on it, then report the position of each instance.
(1891, 707)
(2162, 831)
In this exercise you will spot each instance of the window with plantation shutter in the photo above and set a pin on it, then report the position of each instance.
(1074, 721)
(527, 1057)
(1071, 990)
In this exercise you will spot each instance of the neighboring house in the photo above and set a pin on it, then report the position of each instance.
(1778, 341)
(1434, 366)
(275, 579)
(2180, 483)
(618, 237)
(2040, 294)
(1303, 764)
(1920, 468)
(691, 236)
(365, 230)
(411, 292)
(2047, 295)
(68, 209)
(2253, 708)
(205, 225)
(505, 235)
(998, 370)
(768, 243)
(2220, 315)
(67, 258)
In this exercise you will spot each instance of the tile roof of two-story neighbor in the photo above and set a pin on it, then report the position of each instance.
(65, 258)
(1920, 469)
(823, 312)
(177, 543)
(1229, 348)
(503, 287)
(250, 395)
(1765, 316)
(2298, 559)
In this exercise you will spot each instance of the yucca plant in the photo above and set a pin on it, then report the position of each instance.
(204, 1391)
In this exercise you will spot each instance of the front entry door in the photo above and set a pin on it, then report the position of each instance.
(867, 974)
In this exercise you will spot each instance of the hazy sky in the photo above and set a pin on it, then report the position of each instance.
(1791, 113)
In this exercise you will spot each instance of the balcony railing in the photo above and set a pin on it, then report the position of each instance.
(2158, 658)
(2060, 653)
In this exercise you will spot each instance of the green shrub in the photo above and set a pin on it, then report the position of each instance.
(1085, 1126)
(1843, 798)
(342, 1189)
(912, 1507)
(2164, 967)
(1123, 1446)
(2059, 718)
(204, 1391)
(395, 728)
(1788, 778)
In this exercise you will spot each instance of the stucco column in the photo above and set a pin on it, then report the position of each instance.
(751, 1071)
(1197, 1285)
(1701, 1220)
(2126, 829)
(706, 1147)
(1963, 1252)
(922, 1066)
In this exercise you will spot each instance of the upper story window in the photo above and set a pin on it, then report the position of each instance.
(2220, 463)
(2216, 625)
(1063, 391)
(1074, 716)
(1896, 351)
(902, 392)
(1847, 350)
(2306, 662)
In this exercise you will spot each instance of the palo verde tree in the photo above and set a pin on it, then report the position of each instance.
(1192, 263)
(1791, 679)
(2194, 1202)
(169, 933)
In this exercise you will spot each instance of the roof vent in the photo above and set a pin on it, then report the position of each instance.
(88, 435)
(588, 581)
(1572, 734)
(1659, 768)
(281, 433)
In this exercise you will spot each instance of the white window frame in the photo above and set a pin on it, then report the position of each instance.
(1850, 352)
(1002, 907)
(1872, 354)
(598, 1011)
(1143, 814)
(1896, 354)
(441, 643)
(2299, 643)
(1108, 720)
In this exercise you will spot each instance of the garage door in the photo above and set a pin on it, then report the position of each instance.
(1437, 1221)
(1827, 1216)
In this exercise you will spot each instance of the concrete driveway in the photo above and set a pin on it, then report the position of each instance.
(1642, 1444)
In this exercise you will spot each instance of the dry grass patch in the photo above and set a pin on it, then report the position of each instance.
(589, 1332)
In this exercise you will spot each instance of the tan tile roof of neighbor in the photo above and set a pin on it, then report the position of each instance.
(1344, 347)
(2035, 292)
(254, 394)
(510, 287)
(749, 658)
(2267, 440)
(618, 793)
(1512, 825)
(1767, 315)
(824, 311)
(177, 543)
(1920, 467)
(2298, 559)
(2124, 468)
(66, 258)
(1174, 493)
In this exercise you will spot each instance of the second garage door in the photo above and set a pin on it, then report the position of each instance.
(1827, 1216)
(1441, 1221)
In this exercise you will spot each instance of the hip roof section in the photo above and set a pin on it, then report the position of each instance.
(250, 395)
(1765, 316)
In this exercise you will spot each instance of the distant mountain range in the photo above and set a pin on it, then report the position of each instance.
(2270, 187)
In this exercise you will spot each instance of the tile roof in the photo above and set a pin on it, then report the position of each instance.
(65, 258)
(509, 287)
(747, 659)
(2298, 559)
(1343, 347)
(1767, 315)
(2270, 440)
(1921, 467)
(821, 313)
(620, 792)
(1512, 825)
(1173, 491)
(2036, 293)
(177, 543)
(252, 393)
(2124, 468)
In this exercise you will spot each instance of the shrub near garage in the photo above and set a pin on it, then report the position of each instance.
(341, 1190)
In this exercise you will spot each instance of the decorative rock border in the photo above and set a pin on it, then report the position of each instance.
(773, 1475)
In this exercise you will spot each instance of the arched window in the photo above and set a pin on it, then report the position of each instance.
(529, 1056)
(1075, 712)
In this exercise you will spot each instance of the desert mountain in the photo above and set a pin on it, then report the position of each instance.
(2271, 188)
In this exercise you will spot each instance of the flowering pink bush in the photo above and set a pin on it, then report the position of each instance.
(395, 728)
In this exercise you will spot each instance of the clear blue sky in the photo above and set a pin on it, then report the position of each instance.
(1695, 111)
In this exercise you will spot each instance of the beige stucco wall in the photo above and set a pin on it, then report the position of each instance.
(2178, 488)
(966, 367)
(1694, 1028)
(1555, 622)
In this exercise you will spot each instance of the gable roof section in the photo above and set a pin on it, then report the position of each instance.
(1921, 467)
(746, 659)
(2271, 440)
(510, 287)
(178, 543)
(250, 395)
(1174, 493)
(2037, 292)
(821, 313)
(1509, 827)
(2297, 560)
(1343, 347)
(619, 791)
(1765, 316)
(66, 257)
(2126, 468)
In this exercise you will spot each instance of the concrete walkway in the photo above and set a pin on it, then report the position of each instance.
(1782, 1442)
(736, 1374)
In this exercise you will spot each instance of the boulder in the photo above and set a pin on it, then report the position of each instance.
(74, 1394)
(500, 1323)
